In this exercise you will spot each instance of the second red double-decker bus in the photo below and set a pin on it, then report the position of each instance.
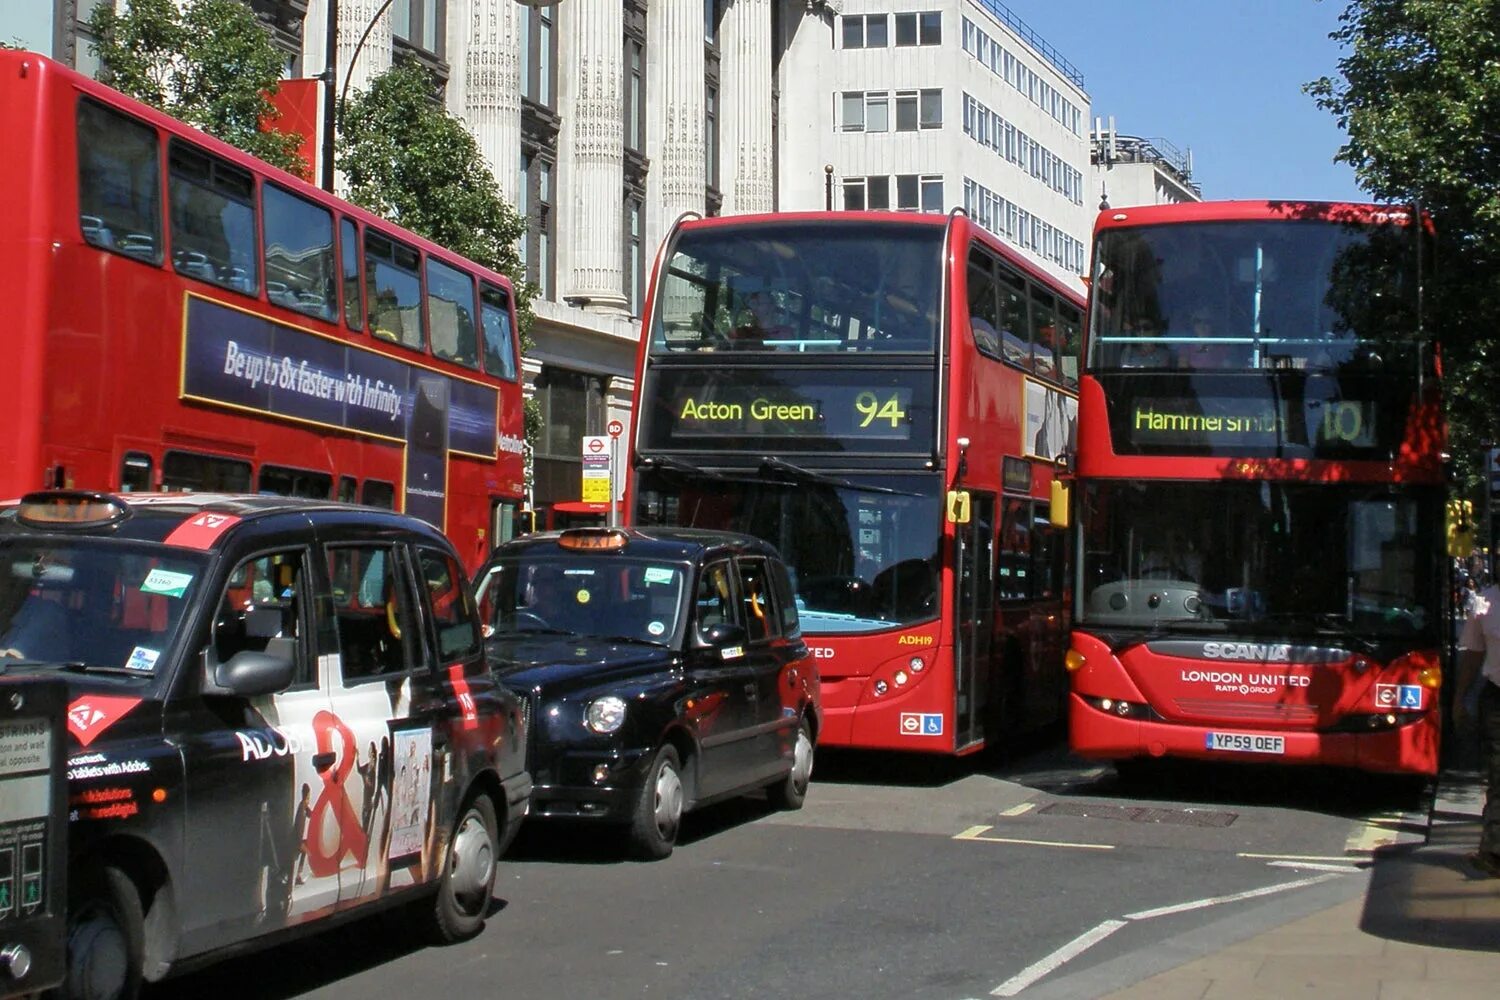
(1260, 490)
(186, 317)
(883, 397)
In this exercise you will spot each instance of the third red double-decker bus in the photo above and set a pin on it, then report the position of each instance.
(1260, 490)
(186, 317)
(883, 397)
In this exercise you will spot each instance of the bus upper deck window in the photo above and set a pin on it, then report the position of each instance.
(119, 183)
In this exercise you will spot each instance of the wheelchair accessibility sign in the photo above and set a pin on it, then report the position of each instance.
(921, 724)
(1406, 696)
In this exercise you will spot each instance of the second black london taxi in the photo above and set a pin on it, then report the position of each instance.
(664, 668)
(280, 714)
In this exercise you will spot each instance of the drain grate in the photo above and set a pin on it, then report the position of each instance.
(1140, 814)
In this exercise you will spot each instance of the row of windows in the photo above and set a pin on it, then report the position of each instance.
(870, 110)
(989, 129)
(1019, 321)
(914, 193)
(192, 472)
(1007, 219)
(1004, 64)
(872, 31)
(215, 221)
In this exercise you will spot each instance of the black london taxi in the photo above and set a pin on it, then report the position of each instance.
(280, 714)
(664, 669)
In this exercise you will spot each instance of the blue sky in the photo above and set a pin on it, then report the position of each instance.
(1220, 77)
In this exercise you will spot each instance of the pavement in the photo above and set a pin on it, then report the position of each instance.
(1417, 923)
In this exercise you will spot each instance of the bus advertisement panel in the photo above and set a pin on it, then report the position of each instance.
(882, 397)
(1260, 490)
(193, 319)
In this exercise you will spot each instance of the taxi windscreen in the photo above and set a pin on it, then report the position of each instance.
(604, 597)
(107, 608)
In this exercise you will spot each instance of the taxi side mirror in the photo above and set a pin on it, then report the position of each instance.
(723, 634)
(249, 673)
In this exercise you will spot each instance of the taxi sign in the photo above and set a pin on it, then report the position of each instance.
(70, 508)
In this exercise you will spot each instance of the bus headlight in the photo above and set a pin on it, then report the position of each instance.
(604, 715)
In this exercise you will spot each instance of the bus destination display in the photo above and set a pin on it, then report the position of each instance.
(875, 409)
(1226, 422)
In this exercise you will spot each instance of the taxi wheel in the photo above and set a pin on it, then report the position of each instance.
(105, 938)
(791, 791)
(658, 812)
(468, 876)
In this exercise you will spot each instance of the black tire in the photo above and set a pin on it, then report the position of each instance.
(466, 883)
(105, 938)
(791, 791)
(658, 811)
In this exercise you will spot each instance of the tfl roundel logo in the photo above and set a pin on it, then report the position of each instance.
(921, 724)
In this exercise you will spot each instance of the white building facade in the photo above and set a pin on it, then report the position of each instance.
(928, 105)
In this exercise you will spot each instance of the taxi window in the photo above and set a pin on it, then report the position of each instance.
(715, 597)
(373, 609)
(261, 610)
(453, 611)
(756, 598)
(782, 584)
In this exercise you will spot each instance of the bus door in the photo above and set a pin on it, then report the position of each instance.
(973, 617)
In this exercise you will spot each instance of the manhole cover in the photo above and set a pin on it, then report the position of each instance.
(1140, 814)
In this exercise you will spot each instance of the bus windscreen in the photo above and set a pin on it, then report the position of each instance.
(801, 287)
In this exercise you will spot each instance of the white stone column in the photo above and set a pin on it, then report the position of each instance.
(745, 168)
(374, 57)
(674, 130)
(592, 181)
(486, 86)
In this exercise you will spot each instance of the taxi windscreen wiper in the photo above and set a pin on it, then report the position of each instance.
(633, 639)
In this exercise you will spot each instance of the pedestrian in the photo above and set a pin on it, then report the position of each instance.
(1479, 654)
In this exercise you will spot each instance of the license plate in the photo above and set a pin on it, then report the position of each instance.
(1246, 743)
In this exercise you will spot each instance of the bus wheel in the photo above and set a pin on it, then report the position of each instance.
(789, 792)
(105, 938)
(658, 812)
(468, 877)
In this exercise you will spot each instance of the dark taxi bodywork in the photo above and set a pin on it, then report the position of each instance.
(665, 669)
(280, 712)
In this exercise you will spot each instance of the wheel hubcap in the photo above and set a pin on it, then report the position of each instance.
(668, 802)
(473, 866)
(802, 761)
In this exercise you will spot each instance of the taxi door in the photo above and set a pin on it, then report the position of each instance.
(380, 729)
(769, 654)
(720, 684)
(254, 788)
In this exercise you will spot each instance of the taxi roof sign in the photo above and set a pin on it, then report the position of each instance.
(70, 509)
(592, 539)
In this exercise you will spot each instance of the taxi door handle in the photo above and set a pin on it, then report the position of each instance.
(752, 691)
(323, 761)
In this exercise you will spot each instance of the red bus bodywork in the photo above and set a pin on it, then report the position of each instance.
(124, 363)
(1233, 685)
(984, 658)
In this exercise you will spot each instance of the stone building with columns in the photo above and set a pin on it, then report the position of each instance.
(606, 120)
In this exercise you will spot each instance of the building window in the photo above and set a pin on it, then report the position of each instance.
(866, 31)
(539, 223)
(931, 108)
(930, 28)
(865, 111)
(539, 58)
(635, 97)
(932, 193)
(635, 275)
(872, 193)
(711, 136)
(853, 116)
(906, 111)
(420, 23)
(711, 21)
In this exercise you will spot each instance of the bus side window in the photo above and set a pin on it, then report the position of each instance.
(354, 302)
(212, 207)
(395, 291)
(119, 183)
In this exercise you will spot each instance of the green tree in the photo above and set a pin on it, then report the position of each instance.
(209, 63)
(407, 159)
(1419, 97)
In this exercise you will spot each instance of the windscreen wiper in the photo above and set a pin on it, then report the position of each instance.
(657, 463)
(771, 463)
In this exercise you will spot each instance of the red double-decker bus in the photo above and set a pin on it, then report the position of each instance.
(189, 318)
(883, 397)
(1260, 490)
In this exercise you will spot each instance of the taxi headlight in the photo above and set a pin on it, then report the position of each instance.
(605, 715)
